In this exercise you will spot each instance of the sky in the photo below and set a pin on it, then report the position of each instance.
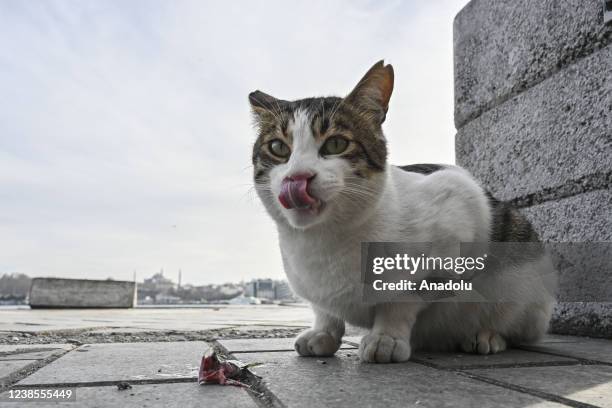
(126, 135)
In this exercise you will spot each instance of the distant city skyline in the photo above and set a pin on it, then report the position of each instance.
(125, 131)
(159, 289)
(141, 279)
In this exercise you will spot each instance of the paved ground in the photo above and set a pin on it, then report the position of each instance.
(80, 326)
(148, 318)
(561, 371)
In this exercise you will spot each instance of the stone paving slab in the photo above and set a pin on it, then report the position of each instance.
(11, 366)
(122, 362)
(33, 355)
(11, 348)
(153, 395)
(509, 357)
(150, 318)
(557, 338)
(345, 382)
(586, 348)
(260, 345)
(432, 379)
(590, 384)
(504, 359)
(548, 338)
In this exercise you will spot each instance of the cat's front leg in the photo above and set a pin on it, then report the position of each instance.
(389, 339)
(323, 339)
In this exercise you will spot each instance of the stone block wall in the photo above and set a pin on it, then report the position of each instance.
(533, 111)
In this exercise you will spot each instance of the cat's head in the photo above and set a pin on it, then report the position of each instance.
(322, 160)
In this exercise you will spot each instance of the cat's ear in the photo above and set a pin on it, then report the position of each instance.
(372, 94)
(263, 104)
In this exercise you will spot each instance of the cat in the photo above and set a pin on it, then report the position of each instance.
(321, 172)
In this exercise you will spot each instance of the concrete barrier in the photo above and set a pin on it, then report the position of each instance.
(81, 293)
(533, 111)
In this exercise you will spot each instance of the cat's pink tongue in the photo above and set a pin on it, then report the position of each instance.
(294, 193)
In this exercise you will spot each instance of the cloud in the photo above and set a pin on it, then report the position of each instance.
(125, 133)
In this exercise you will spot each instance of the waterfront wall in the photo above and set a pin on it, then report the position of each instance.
(81, 293)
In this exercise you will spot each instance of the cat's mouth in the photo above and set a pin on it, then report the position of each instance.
(295, 194)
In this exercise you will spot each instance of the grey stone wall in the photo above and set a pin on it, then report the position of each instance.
(81, 293)
(533, 111)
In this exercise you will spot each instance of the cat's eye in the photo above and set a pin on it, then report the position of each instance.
(334, 145)
(279, 148)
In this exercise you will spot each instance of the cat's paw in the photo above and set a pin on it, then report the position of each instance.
(380, 348)
(485, 342)
(316, 343)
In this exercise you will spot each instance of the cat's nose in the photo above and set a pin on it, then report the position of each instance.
(295, 191)
(304, 175)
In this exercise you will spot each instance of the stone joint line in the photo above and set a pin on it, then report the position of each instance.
(584, 184)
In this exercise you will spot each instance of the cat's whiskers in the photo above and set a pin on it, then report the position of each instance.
(357, 196)
(359, 187)
(335, 109)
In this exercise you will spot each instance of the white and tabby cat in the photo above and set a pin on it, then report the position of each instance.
(320, 169)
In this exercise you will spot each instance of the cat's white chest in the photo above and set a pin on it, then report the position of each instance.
(327, 273)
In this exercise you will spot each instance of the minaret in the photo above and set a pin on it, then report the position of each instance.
(179, 279)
